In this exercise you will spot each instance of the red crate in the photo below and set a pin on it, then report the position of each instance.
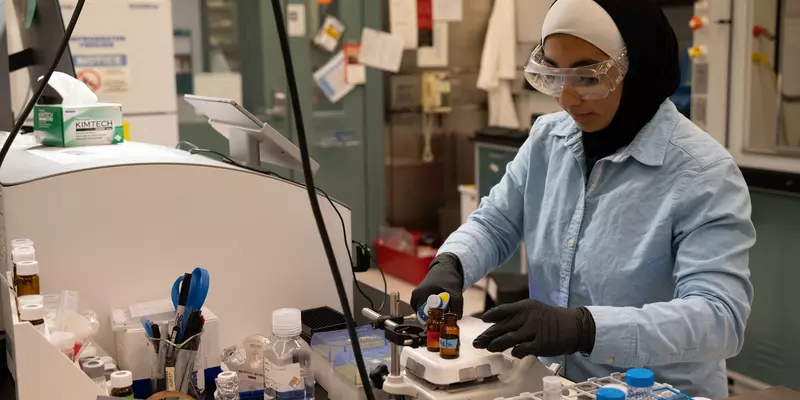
(407, 267)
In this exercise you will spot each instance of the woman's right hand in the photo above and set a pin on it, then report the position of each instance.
(444, 275)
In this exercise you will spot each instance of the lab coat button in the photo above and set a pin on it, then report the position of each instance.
(570, 243)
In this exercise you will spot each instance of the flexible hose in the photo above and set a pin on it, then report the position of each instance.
(312, 197)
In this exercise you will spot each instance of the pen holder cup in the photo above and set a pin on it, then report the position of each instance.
(177, 367)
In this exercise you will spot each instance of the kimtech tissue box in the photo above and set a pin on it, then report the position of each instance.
(82, 125)
(79, 120)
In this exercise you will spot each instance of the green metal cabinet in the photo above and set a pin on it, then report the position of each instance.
(351, 170)
(490, 166)
(771, 348)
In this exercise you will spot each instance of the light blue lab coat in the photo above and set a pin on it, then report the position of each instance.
(655, 245)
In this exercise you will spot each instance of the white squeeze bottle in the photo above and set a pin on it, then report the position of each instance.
(287, 359)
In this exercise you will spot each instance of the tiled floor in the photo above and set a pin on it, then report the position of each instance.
(474, 298)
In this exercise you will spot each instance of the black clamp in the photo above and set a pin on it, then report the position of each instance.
(380, 323)
(378, 375)
(407, 335)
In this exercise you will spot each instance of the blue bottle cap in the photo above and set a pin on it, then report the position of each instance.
(610, 394)
(639, 377)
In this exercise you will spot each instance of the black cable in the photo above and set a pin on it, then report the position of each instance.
(62, 46)
(350, 255)
(228, 160)
(231, 161)
(308, 176)
(364, 248)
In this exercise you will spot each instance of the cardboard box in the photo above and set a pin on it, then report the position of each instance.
(73, 126)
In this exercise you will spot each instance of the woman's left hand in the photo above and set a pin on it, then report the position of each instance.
(534, 328)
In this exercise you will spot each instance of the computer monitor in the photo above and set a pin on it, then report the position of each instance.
(250, 139)
(41, 35)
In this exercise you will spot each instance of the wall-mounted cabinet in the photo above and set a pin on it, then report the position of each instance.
(746, 86)
(220, 36)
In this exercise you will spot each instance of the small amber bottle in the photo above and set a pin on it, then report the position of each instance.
(21, 253)
(122, 384)
(449, 341)
(27, 278)
(434, 329)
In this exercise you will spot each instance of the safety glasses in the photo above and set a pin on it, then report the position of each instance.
(591, 82)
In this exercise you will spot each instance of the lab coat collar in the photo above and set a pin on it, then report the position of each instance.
(650, 145)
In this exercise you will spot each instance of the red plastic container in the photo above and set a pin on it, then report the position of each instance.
(407, 267)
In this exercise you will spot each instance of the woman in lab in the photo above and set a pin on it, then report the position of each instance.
(636, 223)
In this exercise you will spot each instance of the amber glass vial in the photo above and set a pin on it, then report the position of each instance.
(449, 340)
(27, 278)
(434, 329)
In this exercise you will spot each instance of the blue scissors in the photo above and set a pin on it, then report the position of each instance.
(198, 291)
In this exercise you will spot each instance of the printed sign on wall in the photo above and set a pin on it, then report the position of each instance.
(102, 63)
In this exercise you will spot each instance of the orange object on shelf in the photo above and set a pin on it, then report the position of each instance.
(696, 51)
(696, 23)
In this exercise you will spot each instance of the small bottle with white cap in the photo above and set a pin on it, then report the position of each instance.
(27, 278)
(287, 359)
(551, 388)
(122, 384)
(33, 313)
(96, 370)
(21, 253)
(439, 301)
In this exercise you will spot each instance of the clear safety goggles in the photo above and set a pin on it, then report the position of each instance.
(591, 82)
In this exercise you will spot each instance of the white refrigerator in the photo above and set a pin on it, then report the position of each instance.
(124, 51)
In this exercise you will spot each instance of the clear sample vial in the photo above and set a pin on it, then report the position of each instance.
(96, 369)
(640, 383)
(287, 359)
(27, 278)
(33, 313)
(609, 394)
(551, 388)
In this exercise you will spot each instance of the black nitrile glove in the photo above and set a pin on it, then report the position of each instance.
(534, 328)
(444, 275)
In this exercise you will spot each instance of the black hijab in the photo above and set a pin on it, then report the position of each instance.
(653, 74)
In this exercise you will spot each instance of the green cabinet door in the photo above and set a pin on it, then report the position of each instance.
(345, 137)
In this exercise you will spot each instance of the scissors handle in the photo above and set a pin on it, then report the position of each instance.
(198, 292)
